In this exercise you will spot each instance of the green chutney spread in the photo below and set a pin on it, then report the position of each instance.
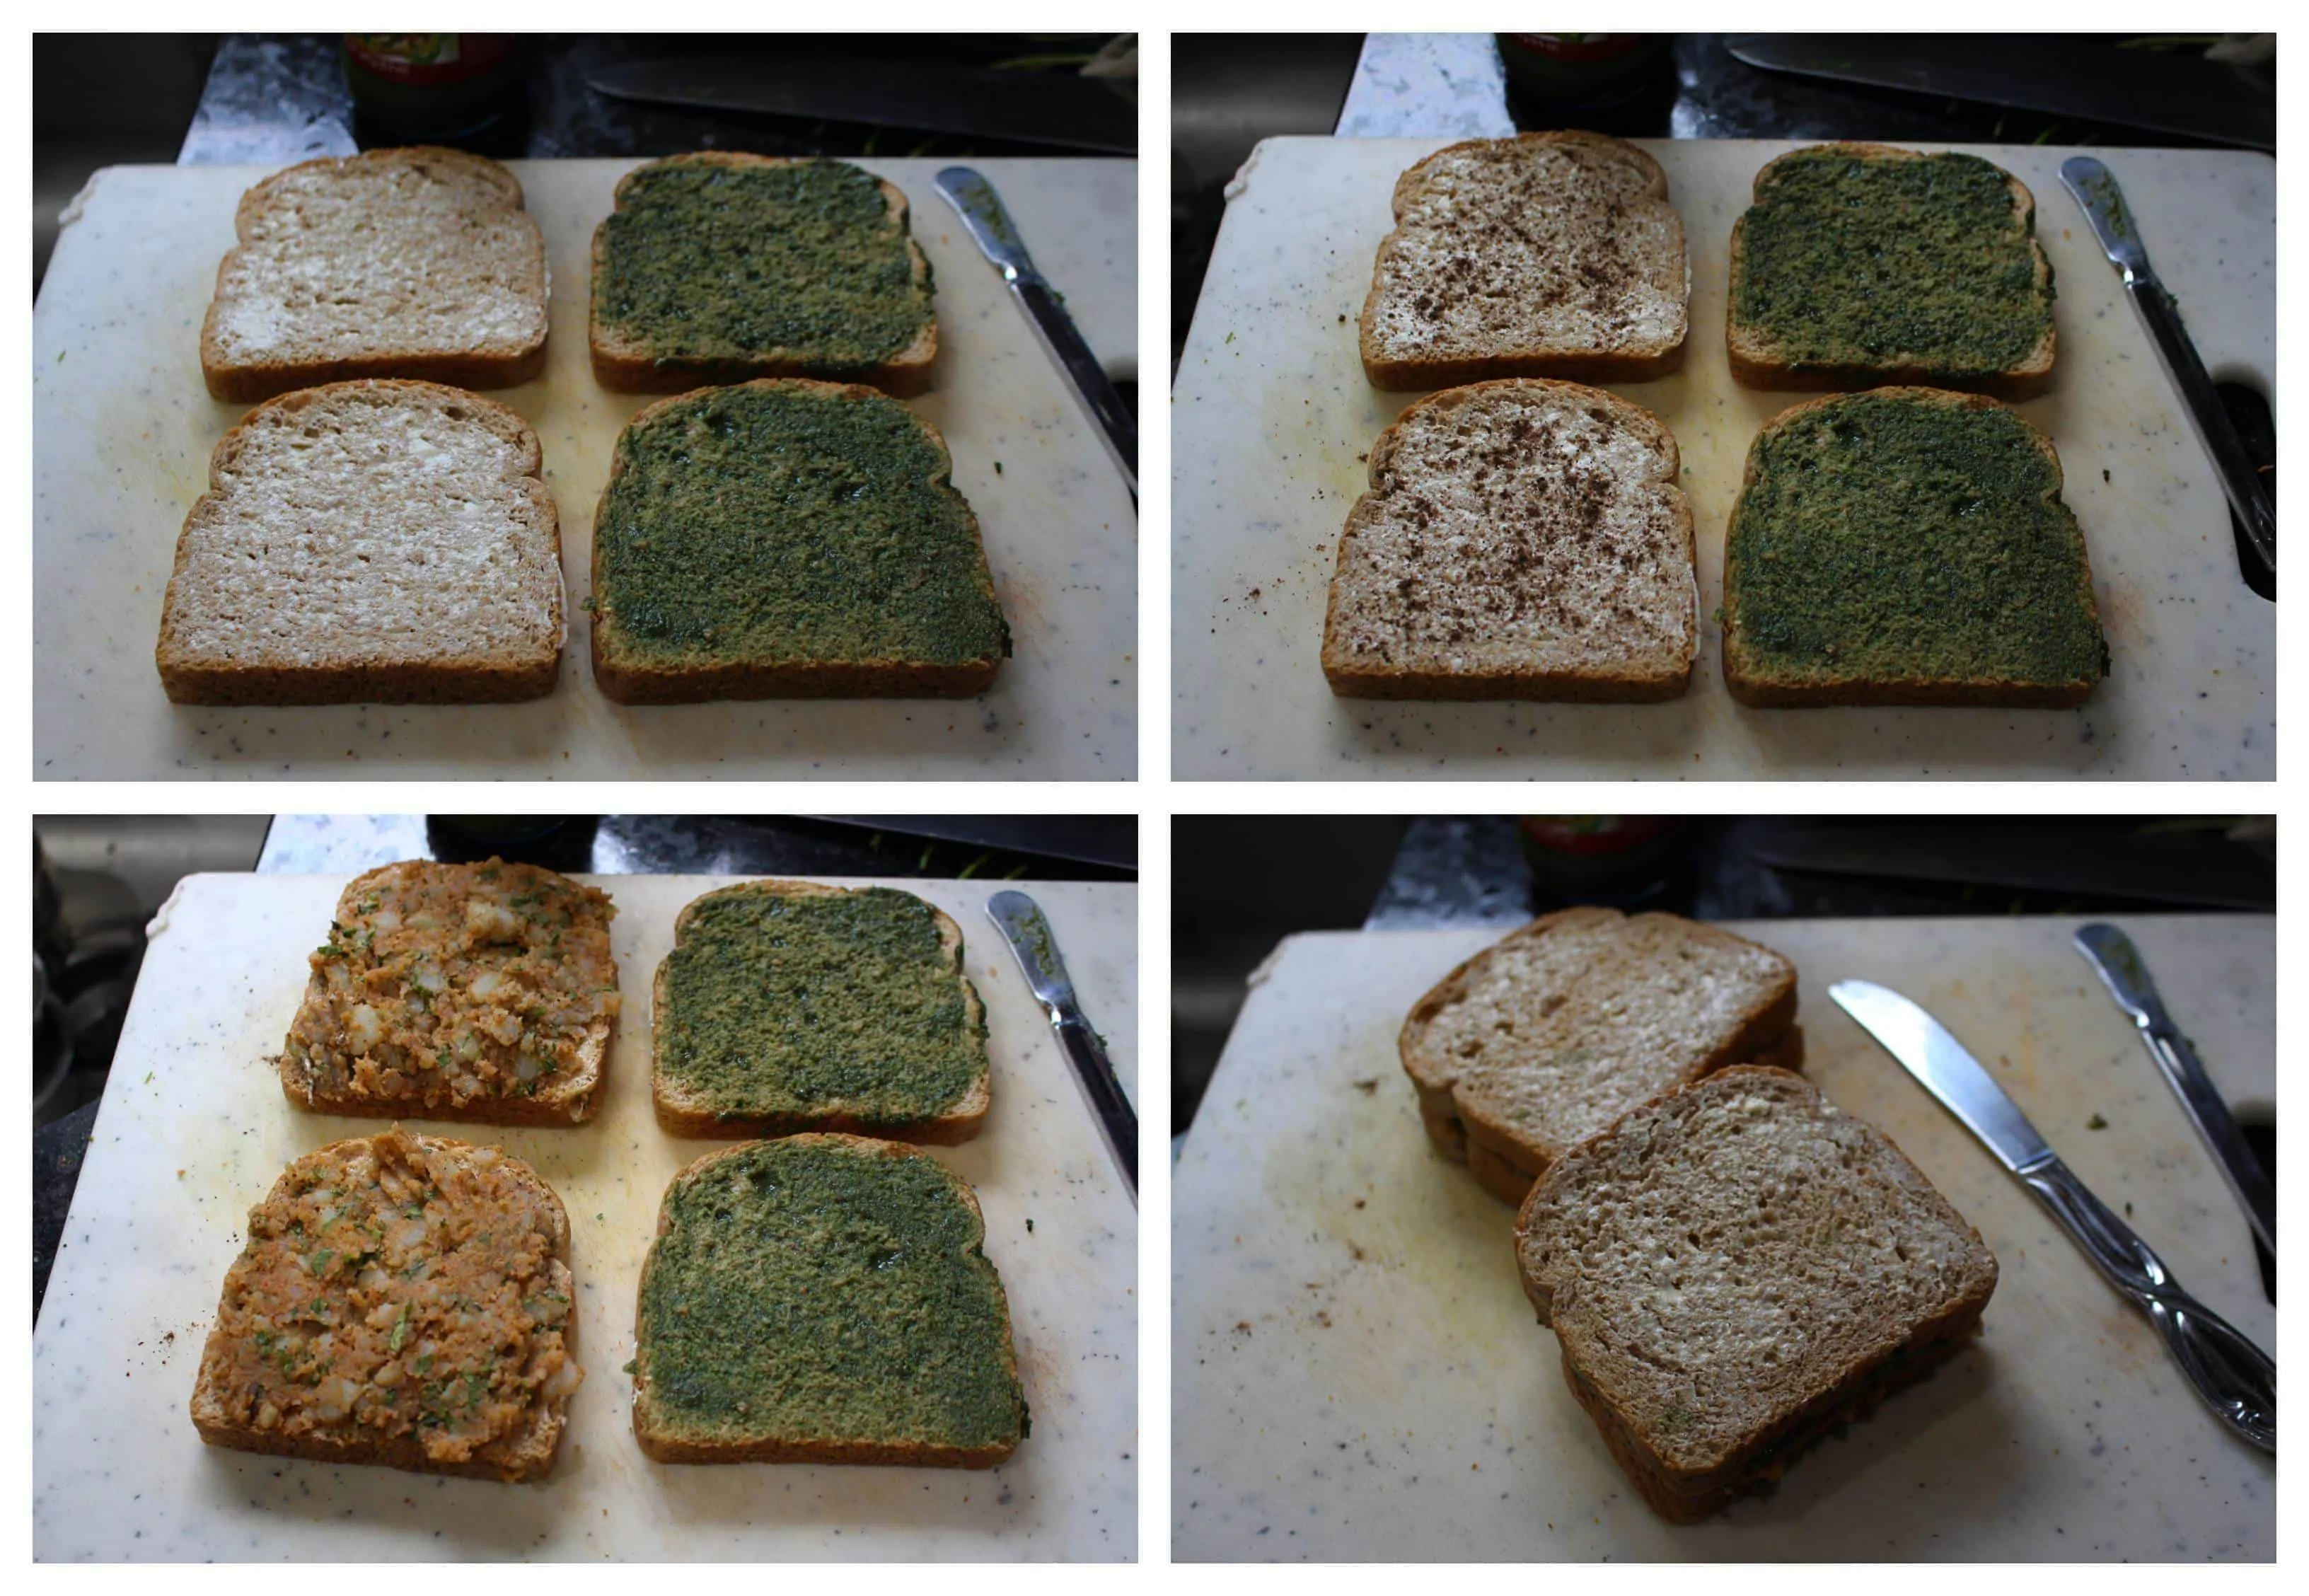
(1882, 537)
(702, 261)
(776, 1004)
(777, 522)
(809, 1289)
(1846, 260)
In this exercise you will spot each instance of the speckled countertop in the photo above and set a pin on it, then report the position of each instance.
(1356, 1374)
(193, 1129)
(1272, 421)
(123, 430)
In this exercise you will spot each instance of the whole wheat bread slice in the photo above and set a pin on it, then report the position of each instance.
(853, 1272)
(415, 262)
(1868, 563)
(687, 1107)
(441, 1199)
(630, 361)
(371, 542)
(1520, 538)
(1545, 1038)
(1762, 359)
(1544, 255)
(1734, 1269)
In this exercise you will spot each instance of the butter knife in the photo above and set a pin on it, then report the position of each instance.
(973, 200)
(2095, 190)
(1020, 920)
(2236, 1379)
(2112, 953)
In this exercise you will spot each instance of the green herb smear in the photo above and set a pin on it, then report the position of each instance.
(771, 523)
(809, 1291)
(781, 1005)
(1851, 261)
(1887, 539)
(707, 262)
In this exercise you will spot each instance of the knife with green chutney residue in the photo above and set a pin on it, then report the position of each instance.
(1023, 926)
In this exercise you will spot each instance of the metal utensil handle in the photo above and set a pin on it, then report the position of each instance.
(1116, 1118)
(2248, 495)
(2184, 1072)
(2236, 1379)
(1066, 345)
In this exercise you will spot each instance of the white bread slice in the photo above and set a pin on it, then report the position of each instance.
(395, 263)
(1544, 1038)
(1544, 255)
(1736, 1268)
(1521, 539)
(371, 542)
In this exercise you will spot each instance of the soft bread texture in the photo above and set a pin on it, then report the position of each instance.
(628, 675)
(1757, 681)
(683, 1109)
(461, 1170)
(1734, 1269)
(665, 1438)
(1757, 361)
(414, 262)
(1520, 538)
(625, 364)
(370, 542)
(1547, 1037)
(1544, 255)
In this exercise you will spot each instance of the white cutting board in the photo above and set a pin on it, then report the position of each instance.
(123, 428)
(193, 1130)
(1272, 418)
(1356, 1374)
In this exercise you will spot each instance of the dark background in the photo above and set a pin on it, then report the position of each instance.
(1240, 884)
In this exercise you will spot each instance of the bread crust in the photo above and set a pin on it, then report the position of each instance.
(1350, 677)
(1501, 1155)
(684, 1111)
(1754, 364)
(665, 1445)
(195, 679)
(1684, 1494)
(1755, 687)
(624, 681)
(1583, 366)
(528, 1455)
(244, 382)
(624, 366)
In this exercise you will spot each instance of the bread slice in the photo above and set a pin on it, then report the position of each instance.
(1734, 1270)
(1547, 1037)
(393, 263)
(403, 1300)
(1544, 255)
(1861, 265)
(790, 1006)
(373, 541)
(482, 993)
(788, 539)
(1908, 546)
(824, 1299)
(720, 266)
(1520, 538)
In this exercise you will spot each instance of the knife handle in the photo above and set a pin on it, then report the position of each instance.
(2248, 495)
(2184, 1072)
(1049, 315)
(1120, 1121)
(2236, 1379)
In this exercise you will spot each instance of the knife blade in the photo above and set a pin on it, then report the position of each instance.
(2095, 189)
(2234, 1377)
(1020, 921)
(2112, 953)
(990, 227)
